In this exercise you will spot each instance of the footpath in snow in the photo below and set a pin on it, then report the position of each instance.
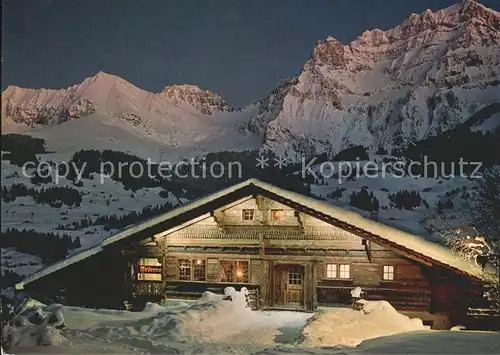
(212, 325)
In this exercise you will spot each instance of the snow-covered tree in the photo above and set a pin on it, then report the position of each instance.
(484, 252)
(484, 207)
(481, 243)
(471, 246)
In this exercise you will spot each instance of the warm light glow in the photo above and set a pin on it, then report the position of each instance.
(149, 277)
(277, 215)
(198, 262)
(239, 274)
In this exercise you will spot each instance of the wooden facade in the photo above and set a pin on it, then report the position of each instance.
(288, 255)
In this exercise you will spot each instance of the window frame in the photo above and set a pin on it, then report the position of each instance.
(334, 271)
(196, 267)
(215, 265)
(236, 265)
(341, 273)
(247, 210)
(240, 265)
(187, 265)
(281, 214)
(212, 270)
(295, 277)
(391, 272)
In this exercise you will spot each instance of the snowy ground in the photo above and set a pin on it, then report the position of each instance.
(213, 326)
(421, 342)
(22, 263)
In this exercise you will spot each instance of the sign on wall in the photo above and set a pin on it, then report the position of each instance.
(146, 269)
(149, 269)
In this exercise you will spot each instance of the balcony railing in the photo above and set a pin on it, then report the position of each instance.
(399, 298)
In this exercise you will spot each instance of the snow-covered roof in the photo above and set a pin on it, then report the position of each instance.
(396, 237)
(59, 265)
(403, 239)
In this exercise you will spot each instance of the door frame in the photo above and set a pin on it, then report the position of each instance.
(305, 283)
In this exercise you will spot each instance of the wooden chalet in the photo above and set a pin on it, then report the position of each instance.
(291, 251)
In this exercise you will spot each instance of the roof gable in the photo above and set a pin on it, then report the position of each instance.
(411, 245)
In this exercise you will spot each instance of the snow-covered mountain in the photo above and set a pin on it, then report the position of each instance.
(102, 93)
(390, 87)
(106, 111)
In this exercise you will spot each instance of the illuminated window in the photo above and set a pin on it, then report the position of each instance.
(149, 262)
(242, 271)
(276, 215)
(233, 271)
(149, 269)
(226, 271)
(331, 271)
(388, 272)
(247, 215)
(344, 271)
(199, 270)
(185, 269)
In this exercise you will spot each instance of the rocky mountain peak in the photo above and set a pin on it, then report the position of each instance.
(205, 101)
(103, 93)
(103, 82)
(423, 24)
(387, 87)
(473, 10)
(102, 76)
(329, 52)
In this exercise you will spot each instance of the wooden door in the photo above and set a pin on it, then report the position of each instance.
(294, 286)
(288, 286)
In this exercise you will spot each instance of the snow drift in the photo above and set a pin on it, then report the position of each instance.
(213, 318)
(347, 327)
(222, 324)
(34, 324)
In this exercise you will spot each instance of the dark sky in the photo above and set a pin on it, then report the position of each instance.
(239, 49)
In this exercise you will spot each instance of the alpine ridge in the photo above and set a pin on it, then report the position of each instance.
(103, 93)
(389, 88)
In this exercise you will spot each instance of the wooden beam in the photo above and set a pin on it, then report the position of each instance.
(299, 220)
(368, 248)
(218, 218)
(263, 203)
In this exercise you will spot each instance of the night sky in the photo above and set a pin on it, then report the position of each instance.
(239, 49)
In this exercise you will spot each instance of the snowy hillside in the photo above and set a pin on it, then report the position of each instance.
(97, 200)
(391, 87)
